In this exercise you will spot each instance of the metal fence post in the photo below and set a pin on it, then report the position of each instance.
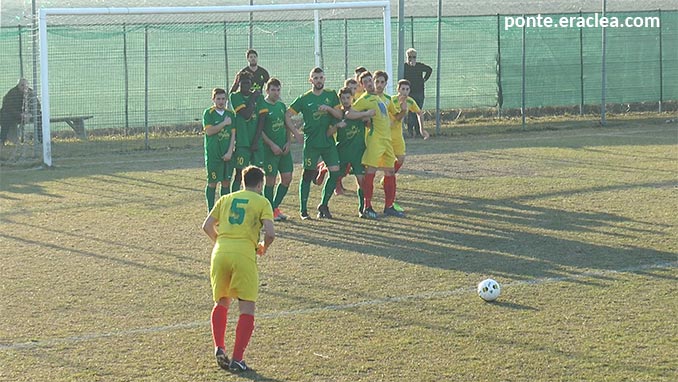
(500, 92)
(126, 70)
(603, 75)
(581, 68)
(439, 65)
(522, 96)
(146, 145)
(661, 65)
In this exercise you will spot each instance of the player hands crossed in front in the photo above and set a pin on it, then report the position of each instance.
(219, 131)
(277, 137)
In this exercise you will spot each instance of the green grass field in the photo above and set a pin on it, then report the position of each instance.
(105, 267)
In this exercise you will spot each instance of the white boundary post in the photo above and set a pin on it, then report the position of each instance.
(44, 63)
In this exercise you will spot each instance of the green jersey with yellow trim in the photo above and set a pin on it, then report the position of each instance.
(274, 127)
(245, 129)
(316, 122)
(217, 144)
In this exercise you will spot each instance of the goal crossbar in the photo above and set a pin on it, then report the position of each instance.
(45, 12)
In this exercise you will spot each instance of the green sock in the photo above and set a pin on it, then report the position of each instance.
(330, 185)
(210, 193)
(235, 186)
(304, 190)
(280, 193)
(268, 193)
(361, 199)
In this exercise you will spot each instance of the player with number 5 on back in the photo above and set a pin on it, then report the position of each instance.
(234, 225)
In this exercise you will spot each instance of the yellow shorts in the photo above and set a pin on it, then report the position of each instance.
(398, 142)
(379, 153)
(233, 271)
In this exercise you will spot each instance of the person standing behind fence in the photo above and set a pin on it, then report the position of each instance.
(16, 109)
(219, 131)
(259, 75)
(417, 73)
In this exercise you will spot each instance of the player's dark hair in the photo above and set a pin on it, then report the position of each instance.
(363, 75)
(315, 70)
(381, 73)
(272, 82)
(252, 176)
(217, 91)
(404, 82)
(251, 51)
(359, 70)
(245, 75)
(350, 81)
(345, 90)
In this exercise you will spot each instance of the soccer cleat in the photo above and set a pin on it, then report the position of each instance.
(304, 215)
(278, 215)
(397, 207)
(393, 212)
(238, 366)
(222, 359)
(322, 171)
(368, 213)
(324, 212)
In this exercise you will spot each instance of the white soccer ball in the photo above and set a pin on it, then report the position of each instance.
(489, 290)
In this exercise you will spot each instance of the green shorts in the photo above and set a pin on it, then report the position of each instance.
(311, 156)
(242, 157)
(218, 170)
(352, 156)
(274, 164)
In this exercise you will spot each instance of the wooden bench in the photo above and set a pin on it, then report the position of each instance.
(76, 122)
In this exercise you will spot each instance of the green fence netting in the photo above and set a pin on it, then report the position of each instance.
(101, 70)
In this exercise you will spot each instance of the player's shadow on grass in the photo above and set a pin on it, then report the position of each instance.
(254, 376)
(511, 305)
(508, 237)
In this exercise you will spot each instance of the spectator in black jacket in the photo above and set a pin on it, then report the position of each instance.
(417, 73)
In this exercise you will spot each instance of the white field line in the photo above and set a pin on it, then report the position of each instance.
(327, 308)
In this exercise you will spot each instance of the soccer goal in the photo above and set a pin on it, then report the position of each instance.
(143, 75)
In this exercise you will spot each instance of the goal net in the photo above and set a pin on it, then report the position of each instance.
(124, 79)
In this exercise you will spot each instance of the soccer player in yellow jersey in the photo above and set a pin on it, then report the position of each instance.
(234, 226)
(379, 151)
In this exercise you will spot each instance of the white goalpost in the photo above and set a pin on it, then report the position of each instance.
(45, 14)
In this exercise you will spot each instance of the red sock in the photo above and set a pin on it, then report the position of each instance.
(243, 333)
(368, 189)
(348, 169)
(339, 185)
(389, 191)
(219, 317)
(398, 165)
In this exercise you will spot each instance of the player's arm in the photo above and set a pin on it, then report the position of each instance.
(231, 147)
(427, 72)
(258, 132)
(251, 105)
(335, 112)
(269, 236)
(354, 114)
(291, 126)
(210, 228)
